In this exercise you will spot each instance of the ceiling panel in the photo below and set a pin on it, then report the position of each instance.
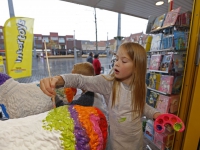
(137, 8)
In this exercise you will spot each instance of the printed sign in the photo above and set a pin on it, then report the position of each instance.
(18, 36)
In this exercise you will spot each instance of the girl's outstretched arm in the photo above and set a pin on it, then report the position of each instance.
(96, 84)
(48, 85)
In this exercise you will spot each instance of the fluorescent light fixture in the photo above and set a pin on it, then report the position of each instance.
(159, 3)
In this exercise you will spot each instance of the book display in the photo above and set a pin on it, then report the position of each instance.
(165, 72)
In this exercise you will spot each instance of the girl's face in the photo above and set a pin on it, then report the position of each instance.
(123, 67)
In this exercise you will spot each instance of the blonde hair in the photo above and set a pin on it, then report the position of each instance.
(84, 68)
(138, 86)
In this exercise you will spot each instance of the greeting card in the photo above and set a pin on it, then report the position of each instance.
(156, 42)
(167, 104)
(158, 22)
(180, 40)
(166, 64)
(171, 17)
(154, 80)
(166, 83)
(155, 62)
(178, 62)
(152, 98)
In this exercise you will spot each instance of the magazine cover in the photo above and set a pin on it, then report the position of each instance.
(166, 83)
(158, 22)
(155, 62)
(166, 64)
(171, 17)
(156, 42)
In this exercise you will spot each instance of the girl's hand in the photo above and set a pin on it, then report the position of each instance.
(48, 85)
(156, 115)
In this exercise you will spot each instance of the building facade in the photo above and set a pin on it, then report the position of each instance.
(65, 45)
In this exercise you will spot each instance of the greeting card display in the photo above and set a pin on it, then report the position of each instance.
(166, 83)
(158, 22)
(166, 64)
(156, 42)
(155, 62)
(171, 17)
(167, 104)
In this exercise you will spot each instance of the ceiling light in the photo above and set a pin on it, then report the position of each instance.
(159, 3)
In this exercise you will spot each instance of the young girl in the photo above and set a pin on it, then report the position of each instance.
(124, 91)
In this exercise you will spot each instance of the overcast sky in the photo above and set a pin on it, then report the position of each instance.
(64, 18)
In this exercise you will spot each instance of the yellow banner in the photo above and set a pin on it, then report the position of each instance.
(18, 40)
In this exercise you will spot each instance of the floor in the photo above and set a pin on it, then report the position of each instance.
(62, 66)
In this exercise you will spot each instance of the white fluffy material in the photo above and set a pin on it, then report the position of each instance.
(27, 134)
(23, 99)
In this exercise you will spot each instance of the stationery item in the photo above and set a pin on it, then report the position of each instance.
(149, 130)
(184, 19)
(166, 64)
(167, 41)
(155, 62)
(156, 42)
(158, 22)
(176, 89)
(168, 104)
(163, 140)
(147, 45)
(166, 83)
(152, 98)
(178, 62)
(154, 80)
(180, 40)
(171, 17)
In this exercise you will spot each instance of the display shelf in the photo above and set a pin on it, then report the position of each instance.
(159, 71)
(157, 91)
(169, 27)
(172, 49)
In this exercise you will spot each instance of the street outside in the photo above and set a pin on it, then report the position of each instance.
(57, 66)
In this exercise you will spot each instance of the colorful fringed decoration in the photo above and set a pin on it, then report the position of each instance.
(80, 127)
(70, 92)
